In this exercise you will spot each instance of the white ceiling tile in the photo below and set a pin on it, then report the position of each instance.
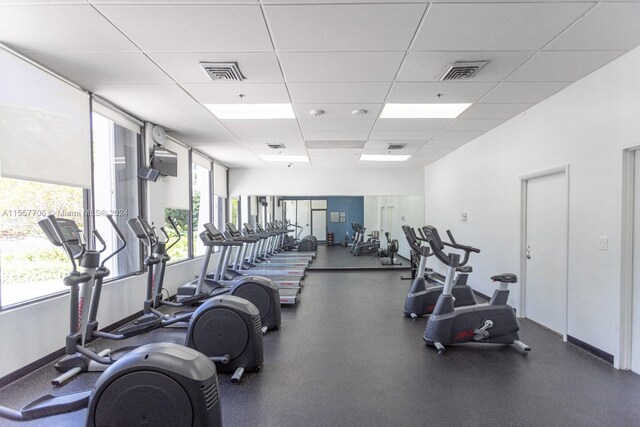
(409, 150)
(483, 125)
(548, 66)
(336, 164)
(345, 152)
(188, 123)
(410, 145)
(282, 130)
(617, 24)
(341, 27)
(292, 165)
(448, 145)
(424, 135)
(229, 93)
(89, 69)
(385, 165)
(311, 124)
(494, 111)
(335, 136)
(167, 1)
(338, 111)
(262, 149)
(333, 93)
(340, 66)
(233, 156)
(136, 98)
(522, 93)
(192, 28)
(60, 28)
(433, 152)
(261, 67)
(340, 1)
(456, 135)
(405, 125)
(465, 27)
(430, 66)
(427, 92)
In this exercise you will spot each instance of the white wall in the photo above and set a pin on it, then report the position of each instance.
(587, 126)
(407, 210)
(327, 182)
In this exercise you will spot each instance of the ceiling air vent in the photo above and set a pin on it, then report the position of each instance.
(462, 70)
(223, 71)
(276, 146)
(395, 146)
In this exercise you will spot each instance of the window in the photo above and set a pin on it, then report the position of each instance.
(30, 266)
(116, 189)
(200, 204)
(179, 251)
(234, 215)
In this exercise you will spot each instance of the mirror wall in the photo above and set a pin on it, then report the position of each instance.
(319, 215)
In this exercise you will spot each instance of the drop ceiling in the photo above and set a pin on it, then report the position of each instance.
(341, 56)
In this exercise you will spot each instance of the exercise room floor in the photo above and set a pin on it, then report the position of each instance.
(346, 356)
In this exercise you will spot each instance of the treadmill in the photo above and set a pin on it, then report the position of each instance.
(231, 271)
(211, 237)
(265, 251)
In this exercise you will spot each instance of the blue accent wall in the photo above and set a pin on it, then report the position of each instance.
(353, 206)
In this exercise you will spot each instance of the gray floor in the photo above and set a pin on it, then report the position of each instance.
(346, 356)
(339, 258)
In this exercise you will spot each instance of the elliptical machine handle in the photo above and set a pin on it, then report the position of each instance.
(175, 228)
(97, 235)
(120, 237)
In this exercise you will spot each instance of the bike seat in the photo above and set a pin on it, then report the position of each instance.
(464, 269)
(505, 278)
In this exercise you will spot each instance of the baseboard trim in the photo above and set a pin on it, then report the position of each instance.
(44, 361)
(600, 354)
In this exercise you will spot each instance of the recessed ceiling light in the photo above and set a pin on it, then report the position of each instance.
(384, 157)
(284, 158)
(251, 111)
(423, 111)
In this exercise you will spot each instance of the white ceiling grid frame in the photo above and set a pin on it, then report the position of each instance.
(554, 62)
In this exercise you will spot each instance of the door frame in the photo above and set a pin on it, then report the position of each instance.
(524, 180)
(623, 359)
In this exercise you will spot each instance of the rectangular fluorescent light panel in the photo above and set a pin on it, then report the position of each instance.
(384, 157)
(251, 111)
(285, 158)
(423, 111)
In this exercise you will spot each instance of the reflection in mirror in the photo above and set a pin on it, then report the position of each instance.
(322, 215)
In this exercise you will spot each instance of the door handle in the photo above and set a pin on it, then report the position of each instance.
(528, 254)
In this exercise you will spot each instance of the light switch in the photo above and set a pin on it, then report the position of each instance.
(604, 243)
(463, 216)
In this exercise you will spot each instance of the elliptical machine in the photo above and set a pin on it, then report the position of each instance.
(226, 329)
(390, 252)
(360, 247)
(424, 293)
(493, 322)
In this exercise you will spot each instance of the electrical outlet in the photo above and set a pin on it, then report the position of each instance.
(604, 243)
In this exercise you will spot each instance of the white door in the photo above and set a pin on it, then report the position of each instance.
(319, 224)
(303, 217)
(635, 316)
(546, 251)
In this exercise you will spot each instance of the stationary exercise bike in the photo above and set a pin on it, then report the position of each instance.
(424, 292)
(493, 322)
